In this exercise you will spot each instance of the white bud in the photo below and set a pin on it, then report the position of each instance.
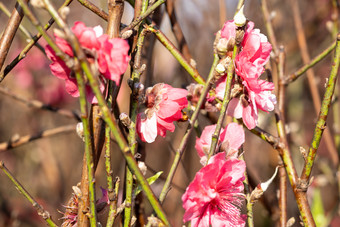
(80, 130)
(38, 4)
(142, 167)
(220, 68)
(222, 45)
(239, 19)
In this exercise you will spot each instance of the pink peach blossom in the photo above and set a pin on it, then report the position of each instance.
(254, 55)
(164, 105)
(232, 136)
(214, 197)
(108, 56)
(113, 58)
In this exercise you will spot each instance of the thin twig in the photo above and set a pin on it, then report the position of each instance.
(40, 210)
(21, 27)
(281, 106)
(28, 47)
(95, 9)
(298, 73)
(226, 99)
(177, 54)
(144, 15)
(9, 32)
(321, 123)
(39, 105)
(19, 141)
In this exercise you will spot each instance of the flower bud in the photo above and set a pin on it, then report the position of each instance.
(239, 19)
(143, 168)
(124, 118)
(220, 68)
(80, 130)
(261, 188)
(222, 46)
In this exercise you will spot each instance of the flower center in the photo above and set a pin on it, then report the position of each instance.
(150, 100)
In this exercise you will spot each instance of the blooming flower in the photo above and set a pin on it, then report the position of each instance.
(252, 93)
(101, 53)
(164, 105)
(214, 196)
(232, 137)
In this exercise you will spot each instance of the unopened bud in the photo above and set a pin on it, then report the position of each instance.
(220, 68)
(64, 12)
(239, 19)
(143, 168)
(59, 33)
(261, 188)
(124, 118)
(38, 4)
(80, 130)
(127, 34)
(222, 46)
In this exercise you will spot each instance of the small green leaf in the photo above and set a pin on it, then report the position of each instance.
(150, 180)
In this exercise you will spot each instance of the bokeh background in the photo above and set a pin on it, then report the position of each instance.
(49, 167)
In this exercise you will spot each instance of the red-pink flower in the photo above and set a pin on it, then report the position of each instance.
(254, 55)
(232, 137)
(164, 106)
(113, 58)
(251, 93)
(258, 95)
(214, 197)
(98, 52)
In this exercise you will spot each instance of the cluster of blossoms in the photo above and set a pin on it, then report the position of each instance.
(214, 197)
(250, 93)
(107, 57)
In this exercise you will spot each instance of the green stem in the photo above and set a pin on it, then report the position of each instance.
(250, 217)
(88, 148)
(291, 78)
(108, 167)
(40, 210)
(135, 77)
(185, 139)
(144, 15)
(321, 123)
(177, 54)
(226, 99)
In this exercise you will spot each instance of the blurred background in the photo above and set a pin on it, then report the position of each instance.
(49, 167)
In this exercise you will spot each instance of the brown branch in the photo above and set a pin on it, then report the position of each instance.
(10, 30)
(39, 105)
(281, 107)
(95, 9)
(311, 78)
(16, 142)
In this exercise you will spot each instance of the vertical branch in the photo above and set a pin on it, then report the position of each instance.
(226, 99)
(89, 176)
(311, 77)
(116, 9)
(10, 30)
(281, 106)
(321, 123)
